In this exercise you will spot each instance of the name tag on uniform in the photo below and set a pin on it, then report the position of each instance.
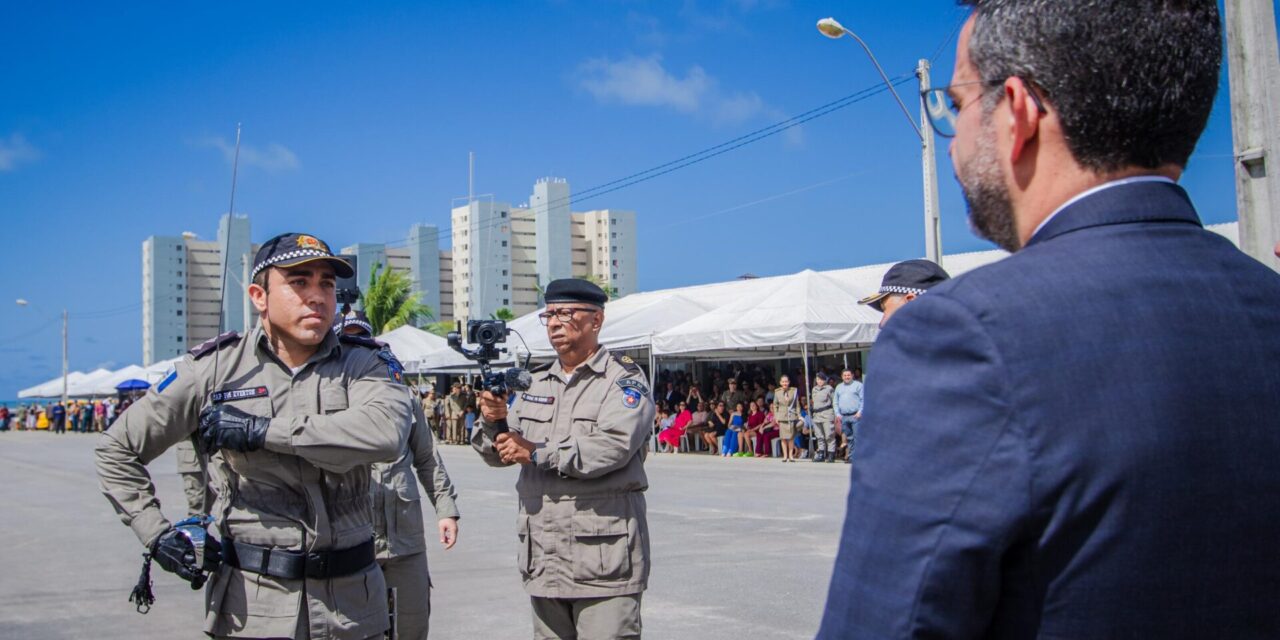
(237, 394)
(537, 399)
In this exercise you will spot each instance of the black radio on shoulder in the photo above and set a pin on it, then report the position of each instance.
(488, 334)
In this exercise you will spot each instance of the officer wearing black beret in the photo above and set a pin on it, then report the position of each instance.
(578, 434)
(902, 283)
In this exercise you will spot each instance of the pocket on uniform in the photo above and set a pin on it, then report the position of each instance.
(524, 551)
(333, 398)
(602, 548)
(408, 509)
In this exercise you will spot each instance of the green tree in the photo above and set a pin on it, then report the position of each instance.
(603, 283)
(441, 329)
(389, 301)
(504, 314)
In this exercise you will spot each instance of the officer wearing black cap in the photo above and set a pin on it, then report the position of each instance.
(578, 434)
(902, 283)
(292, 416)
(355, 323)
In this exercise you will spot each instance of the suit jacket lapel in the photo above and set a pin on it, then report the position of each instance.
(1136, 202)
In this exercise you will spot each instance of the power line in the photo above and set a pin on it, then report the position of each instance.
(699, 156)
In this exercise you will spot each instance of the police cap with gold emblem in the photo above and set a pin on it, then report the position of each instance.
(293, 249)
(575, 290)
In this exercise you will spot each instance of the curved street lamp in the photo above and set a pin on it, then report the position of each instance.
(830, 28)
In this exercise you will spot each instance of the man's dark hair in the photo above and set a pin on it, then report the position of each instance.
(261, 278)
(1132, 81)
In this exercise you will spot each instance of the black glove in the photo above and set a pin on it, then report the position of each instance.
(174, 553)
(226, 427)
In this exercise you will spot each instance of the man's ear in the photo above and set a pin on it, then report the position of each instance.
(258, 296)
(1024, 117)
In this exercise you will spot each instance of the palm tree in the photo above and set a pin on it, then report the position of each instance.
(603, 283)
(504, 314)
(441, 329)
(389, 301)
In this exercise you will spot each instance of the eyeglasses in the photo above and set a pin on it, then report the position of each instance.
(943, 111)
(563, 314)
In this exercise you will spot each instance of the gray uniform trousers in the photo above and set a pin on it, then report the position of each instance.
(408, 575)
(824, 433)
(586, 618)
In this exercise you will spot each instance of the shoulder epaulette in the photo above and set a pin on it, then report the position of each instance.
(627, 362)
(542, 367)
(361, 340)
(213, 344)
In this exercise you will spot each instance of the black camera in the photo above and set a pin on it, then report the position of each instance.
(488, 334)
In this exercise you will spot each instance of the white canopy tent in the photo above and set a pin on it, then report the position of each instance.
(107, 385)
(777, 317)
(53, 388)
(423, 352)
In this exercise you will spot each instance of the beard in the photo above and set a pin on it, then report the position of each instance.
(985, 193)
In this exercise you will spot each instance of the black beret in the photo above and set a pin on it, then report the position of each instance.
(575, 290)
(293, 249)
(911, 276)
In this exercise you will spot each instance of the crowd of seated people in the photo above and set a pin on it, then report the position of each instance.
(726, 412)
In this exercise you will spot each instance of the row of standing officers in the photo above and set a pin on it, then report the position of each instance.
(310, 443)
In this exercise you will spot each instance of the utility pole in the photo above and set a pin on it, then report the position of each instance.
(932, 221)
(64, 357)
(1254, 72)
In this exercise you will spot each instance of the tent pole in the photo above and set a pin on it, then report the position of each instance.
(653, 388)
(804, 350)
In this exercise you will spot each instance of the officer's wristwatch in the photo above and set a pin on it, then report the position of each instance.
(533, 457)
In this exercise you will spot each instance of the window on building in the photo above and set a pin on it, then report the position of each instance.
(502, 214)
(615, 235)
(179, 260)
(179, 338)
(615, 277)
(179, 311)
(615, 263)
(613, 221)
(179, 299)
(506, 301)
(504, 243)
(614, 249)
(504, 288)
(179, 287)
(504, 272)
(179, 274)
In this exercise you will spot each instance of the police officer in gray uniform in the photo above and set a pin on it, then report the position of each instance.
(821, 407)
(399, 539)
(292, 417)
(579, 436)
(193, 467)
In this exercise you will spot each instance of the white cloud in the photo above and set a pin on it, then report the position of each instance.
(273, 157)
(16, 151)
(638, 81)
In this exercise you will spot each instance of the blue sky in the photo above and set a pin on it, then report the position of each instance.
(358, 117)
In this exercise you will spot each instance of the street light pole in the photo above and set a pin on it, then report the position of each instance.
(932, 218)
(23, 303)
(830, 28)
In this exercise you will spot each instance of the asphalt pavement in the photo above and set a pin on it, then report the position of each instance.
(742, 548)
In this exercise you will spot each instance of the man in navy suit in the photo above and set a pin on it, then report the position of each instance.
(1082, 440)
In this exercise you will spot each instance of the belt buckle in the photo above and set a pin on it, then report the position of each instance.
(317, 564)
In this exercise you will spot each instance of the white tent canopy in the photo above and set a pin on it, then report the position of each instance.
(53, 388)
(630, 322)
(107, 385)
(778, 316)
(422, 352)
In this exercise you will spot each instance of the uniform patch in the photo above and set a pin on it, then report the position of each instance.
(168, 380)
(537, 399)
(627, 362)
(311, 242)
(237, 394)
(631, 397)
(394, 369)
(213, 344)
(630, 383)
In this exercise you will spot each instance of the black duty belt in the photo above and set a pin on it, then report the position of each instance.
(296, 565)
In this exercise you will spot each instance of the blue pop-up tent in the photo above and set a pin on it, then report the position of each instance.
(133, 385)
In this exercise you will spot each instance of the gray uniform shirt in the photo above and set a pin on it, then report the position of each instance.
(581, 527)
(397, 504)
(822, 399)
(306, 489)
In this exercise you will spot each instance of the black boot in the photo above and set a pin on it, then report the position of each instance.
(819, 455)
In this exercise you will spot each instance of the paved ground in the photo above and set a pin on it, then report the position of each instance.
(742, 549)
